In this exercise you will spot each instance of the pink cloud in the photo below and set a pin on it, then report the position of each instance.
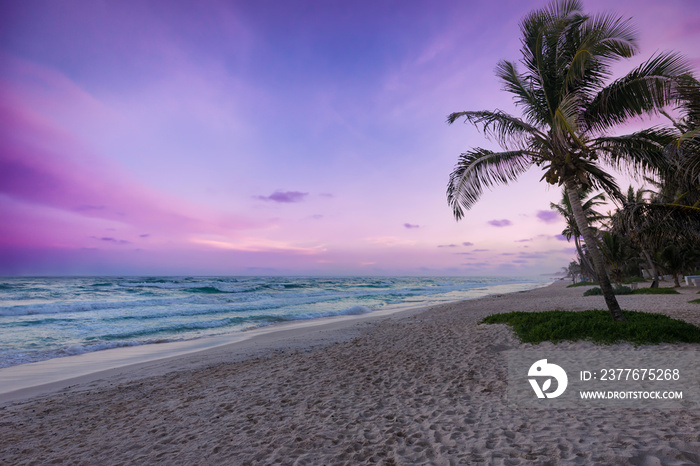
(410, 226)
(284, 196)
(548, 216)
(500, 223)
(44, 165)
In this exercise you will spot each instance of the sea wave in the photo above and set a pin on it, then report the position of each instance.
(86, 306)
(43, 318)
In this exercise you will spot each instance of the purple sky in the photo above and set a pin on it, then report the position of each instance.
(256, 137)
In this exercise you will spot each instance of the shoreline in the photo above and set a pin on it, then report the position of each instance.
(24, 381)
(421, 386)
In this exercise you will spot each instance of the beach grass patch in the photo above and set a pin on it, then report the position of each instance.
(618, 290)
(574, 285)
(695, 301)
(596, 325)
(655, 291)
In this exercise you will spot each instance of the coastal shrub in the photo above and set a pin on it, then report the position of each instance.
(655, 291)
(617, 290)
(574, 285)
(695, 301)
(629, 280)
(595, 325)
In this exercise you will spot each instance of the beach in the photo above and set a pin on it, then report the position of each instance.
(423, 386)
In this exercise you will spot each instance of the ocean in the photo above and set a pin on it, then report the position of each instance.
(48, 317)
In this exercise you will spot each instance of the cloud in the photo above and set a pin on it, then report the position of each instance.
(112, 240)
(447, 245)
(548, 216)
(62, 185)
(527, 240)
(500, 223)
(410, 225)
(480, 250)
(260, 245)
(560, 238)
(467, 243)
(284, 196)
(533, 255)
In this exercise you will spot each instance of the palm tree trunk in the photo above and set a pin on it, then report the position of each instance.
(585, 263)
(652, 269)
(594, 251)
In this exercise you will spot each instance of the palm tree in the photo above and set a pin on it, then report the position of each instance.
(618, 254)
(686, 146)
(571, 230)
(675, 260)
(635, 198)
(568, 107)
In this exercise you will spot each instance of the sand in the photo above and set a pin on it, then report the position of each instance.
(420, 387)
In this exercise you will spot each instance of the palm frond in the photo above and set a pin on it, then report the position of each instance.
(505, 128)
(640, 152)
(479, 169)
(601, 40)
(543, 31)
(646, 89)
(598, 178)
(565, 124)
(527, 96)
(659, 223)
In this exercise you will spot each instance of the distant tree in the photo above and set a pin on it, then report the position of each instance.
(574, 269)
(617, 253)
(674, 260)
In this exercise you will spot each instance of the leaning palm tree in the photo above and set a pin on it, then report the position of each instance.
(569, 108)
(571, 230)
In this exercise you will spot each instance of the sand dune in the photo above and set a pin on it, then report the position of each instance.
(423, 387)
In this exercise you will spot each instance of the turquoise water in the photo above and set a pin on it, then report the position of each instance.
(44, 318)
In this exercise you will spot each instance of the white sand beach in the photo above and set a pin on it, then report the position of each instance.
(419, 387)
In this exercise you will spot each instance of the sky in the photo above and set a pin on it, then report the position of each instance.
(270, 137)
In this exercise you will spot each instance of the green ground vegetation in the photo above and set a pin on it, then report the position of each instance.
(595, 325)
(574, 285)
(621, 290)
